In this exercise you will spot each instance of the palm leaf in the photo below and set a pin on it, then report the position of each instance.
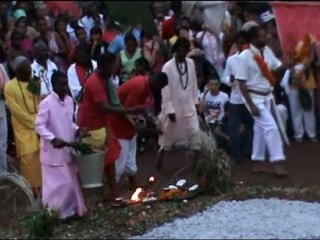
(213, 166)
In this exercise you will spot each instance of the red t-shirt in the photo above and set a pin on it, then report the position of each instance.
(132, 93)
(168, 28)
(90, 115)
(108, 36)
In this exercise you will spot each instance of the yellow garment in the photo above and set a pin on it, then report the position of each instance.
(310, 82)
(30, 169)
(173, 40)
(97, 138)
(26, 139)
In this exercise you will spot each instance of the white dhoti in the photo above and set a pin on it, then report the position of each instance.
(180, 97)
(185, 132)
(283, 112)
(266, 132)
(126, 163)
(302, 121)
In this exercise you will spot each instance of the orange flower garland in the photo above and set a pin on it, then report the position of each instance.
(262, 65)
(302, 53)
(264, 69)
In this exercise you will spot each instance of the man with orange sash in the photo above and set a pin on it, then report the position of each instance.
(256, 84)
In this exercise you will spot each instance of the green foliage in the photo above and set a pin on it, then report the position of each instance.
(215, 171)
(82, 147)
(41, 223)
(34, 86)
(305, 99)
(122, 11)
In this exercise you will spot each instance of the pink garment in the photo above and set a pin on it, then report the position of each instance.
(149, 103)
(294, 20)
(53, 46)
(182, 102)
(61, 190)
(27, 45)
(60, 185)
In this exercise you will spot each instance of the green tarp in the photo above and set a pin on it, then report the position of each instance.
(130, 13)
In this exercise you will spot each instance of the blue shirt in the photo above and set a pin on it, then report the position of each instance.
(118, 42)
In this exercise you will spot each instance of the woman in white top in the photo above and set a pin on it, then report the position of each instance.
(211, 44)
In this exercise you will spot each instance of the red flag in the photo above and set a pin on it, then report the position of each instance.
(70, 6)
(294, 20)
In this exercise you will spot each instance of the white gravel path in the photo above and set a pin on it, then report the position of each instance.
(250, 219)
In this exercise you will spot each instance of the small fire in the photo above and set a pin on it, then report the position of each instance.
(151, 179)
(135, 195)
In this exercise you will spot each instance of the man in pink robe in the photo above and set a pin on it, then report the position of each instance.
(60, 185)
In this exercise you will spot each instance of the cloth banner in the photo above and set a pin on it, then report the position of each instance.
(294, 20)
(64, 6)
(211, 13)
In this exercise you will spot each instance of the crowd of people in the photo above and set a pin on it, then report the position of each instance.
(62, 78)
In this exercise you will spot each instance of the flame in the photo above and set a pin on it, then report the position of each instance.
(151, 179)
(135, 195)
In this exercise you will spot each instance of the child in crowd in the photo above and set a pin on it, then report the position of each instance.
(212, 106)
(142, 67)
(213, 101)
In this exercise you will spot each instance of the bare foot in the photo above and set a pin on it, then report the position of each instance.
(279, 171)
(260, 168)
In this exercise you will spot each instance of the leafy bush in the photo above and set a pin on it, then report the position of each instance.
(41, 223)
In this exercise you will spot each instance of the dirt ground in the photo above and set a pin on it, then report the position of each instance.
(303, 164)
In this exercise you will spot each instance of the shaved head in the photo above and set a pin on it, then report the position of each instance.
(40, 46)
(19, 62)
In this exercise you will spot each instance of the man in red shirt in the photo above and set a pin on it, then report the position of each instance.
(133, 93)
(168, 26)
(99, 99)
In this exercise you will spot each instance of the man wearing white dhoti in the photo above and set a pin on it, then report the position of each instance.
(178, 115)
(256, 84)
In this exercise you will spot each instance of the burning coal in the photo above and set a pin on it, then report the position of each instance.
(135, 196)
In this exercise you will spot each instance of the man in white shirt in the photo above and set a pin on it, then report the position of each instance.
(256, 89)
(239, 114)
(43, 68)
(212, 51)
(91, 19)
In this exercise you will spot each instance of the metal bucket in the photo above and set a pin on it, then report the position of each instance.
(90, 169)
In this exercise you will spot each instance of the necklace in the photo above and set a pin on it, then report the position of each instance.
(183, 72)
(43, 77)
(25, 101)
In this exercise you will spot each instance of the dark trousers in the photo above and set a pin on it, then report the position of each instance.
(240, 143)
(222, 144)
